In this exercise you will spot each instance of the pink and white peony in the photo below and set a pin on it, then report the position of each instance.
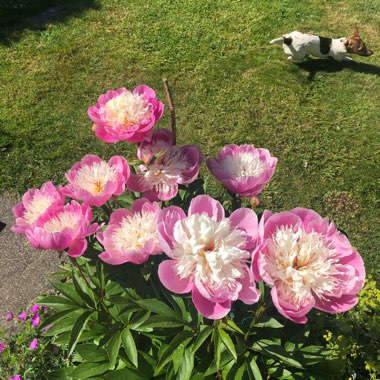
(125, 115)
(35, 202)
(209, 255)
(64, 227)
(95, 181)
(164, 167)
(309, 263)
(244, 169)
(131, 236)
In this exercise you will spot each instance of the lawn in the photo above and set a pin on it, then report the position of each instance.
(320, 118)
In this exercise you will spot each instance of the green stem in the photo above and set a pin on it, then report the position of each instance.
(100, 298)
(258, 313)
(107, 209)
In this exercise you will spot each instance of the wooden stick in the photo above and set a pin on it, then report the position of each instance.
(172, 109)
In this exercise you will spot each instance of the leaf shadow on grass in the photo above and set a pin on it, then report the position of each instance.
(313, 66)
(16, 16)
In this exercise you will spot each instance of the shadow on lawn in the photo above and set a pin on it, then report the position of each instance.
(19, 15)
(312, 66)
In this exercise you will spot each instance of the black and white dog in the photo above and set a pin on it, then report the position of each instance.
(297, 45)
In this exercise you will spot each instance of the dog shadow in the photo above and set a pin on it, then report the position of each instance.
(312, 66)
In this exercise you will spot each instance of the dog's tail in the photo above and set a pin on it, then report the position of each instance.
(282, 40)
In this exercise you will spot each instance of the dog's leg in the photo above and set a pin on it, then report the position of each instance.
(341, 57)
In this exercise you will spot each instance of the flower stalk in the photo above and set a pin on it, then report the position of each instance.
(172, 109)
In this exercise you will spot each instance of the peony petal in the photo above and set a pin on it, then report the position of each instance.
(171, 280)
(336, 305)
(77, 247)
(166, 221)
(210, 309)
(288, 311)
(249, 294)
(205, 204)
(112, 260)
(245, 219)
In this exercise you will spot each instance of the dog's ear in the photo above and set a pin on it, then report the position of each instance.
(355, 32)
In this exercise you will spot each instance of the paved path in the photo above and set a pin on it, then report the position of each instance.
(24, 271)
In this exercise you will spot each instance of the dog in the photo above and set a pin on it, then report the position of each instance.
(297, 45)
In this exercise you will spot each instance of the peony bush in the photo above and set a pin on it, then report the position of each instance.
(165, 281)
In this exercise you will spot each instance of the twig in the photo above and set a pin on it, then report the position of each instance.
(172, 109)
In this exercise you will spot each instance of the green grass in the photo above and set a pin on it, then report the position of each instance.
(320, 118)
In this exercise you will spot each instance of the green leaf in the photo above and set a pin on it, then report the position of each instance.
(217, 348)
(157, 307)
(146, 364)
(56, 317)
(132, 308)
(161, 321)
(77, 330)
(203, 335)
(60, 374)
(266, 321)
(138, 319)
(129, 346)
(229, 369)
(187, 365)
(178, 305)
(64, 325)
(69, 291)
(230, 325)
(227, 341)
(116, 328)
(124, 200)
(126, 374)
(113, 349)
(56, 302)
(176, 360)
(120, 300)
(181, 340)
(86, 370)
(236, 371)
(310, 355)
(84, 291)
(275, 351)
(252, 368)
(92, 352)
(225, 358)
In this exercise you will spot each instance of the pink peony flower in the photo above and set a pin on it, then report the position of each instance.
(244, 169)
(35, 320)
(64, 227)
(95, 181)
(34, 344)
(23, 316)
(2, 346)
(16, 377)
(124, 115)
(35, 308)
(9, 316)
(309, 264)
(209, 255)
(131, 236)
(35, 202)
(164, 167)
